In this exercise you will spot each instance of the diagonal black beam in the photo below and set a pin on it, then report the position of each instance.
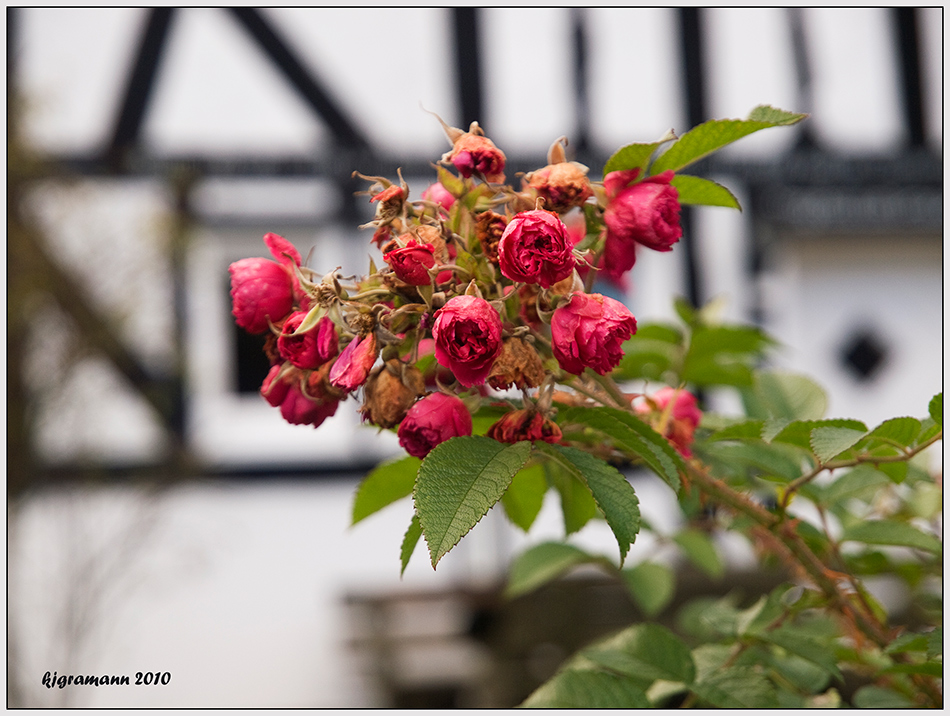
(468, 72)
(140, 83)
(342, 126)
(905, 21)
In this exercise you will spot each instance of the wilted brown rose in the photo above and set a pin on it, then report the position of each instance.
(489, 227)
(389, 393)
(518, 364)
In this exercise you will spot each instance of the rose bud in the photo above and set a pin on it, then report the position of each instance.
(472, 152)
(521, 425)
(438, 194)
(310, 349)
(297, 408)
(390, 203)
(681, 421)
(411, 262)
(433, 420)
(467, 332)
(489, 227)
(647, 212)
(588, 332)
(390, 392)
(352, 368)
(535, 248)
(517, 365)
(262, 289)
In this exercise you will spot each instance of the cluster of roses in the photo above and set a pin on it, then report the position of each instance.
(482, 284)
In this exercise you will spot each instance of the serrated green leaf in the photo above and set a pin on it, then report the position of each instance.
(409, 542)
(892, 533)
(703, 192)
(525, 496)
(458, 483)
(737, 687)
(541, 564)
(908, 642)
(860, 482)
(876, 697)
(928, 429)
(389, 482)
(935, 643)
(789, 395)
(798, 432)
(646, 652)
(710, 136)
(652, 586)
(810, 649)
(935, 408)
(633, 436)
(896, 471)
(614, 496)
(588, 689)
(828, 442)
(746, 430)
(701, 551)
(577, 504)
(902, 431)
(631, 156)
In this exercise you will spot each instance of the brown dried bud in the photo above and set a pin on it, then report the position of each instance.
(489, 227)
(429, 234)
(270, 349)
(518, 364)
(390, 392)
(362, 323)
(524, 424)
(562, 185)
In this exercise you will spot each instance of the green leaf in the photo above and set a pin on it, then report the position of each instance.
(409, 543)
(525, 496)
(935, 643)
(588, 690)
(656, 332)
(389, 482)
(458, 483)
(613, 494)
(875, 697)
(645, 652)
(809, 649)
(798, 432)
(701, 551)
(646, 358)
(577, 504)
(746, 430)
(632, 156)
(706, 138)
(633, 436)
(828, 442)
(936, 409)
(862, 481)
(908, 642)
(652, 586)
(737, 687)
(703, 192)
(928, 668)
(541, 564)
(789, 395)
(778, 460)
(902, 431)
(892, 533)
(455, 186)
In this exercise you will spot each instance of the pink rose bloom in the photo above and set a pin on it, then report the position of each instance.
(647, 212)
(467, 332)
(587, 332)
(352, 368)
(411, 262)
(475, 153)
(297, 408)
(262, 289)
(433, 420)
(438, 194)
(683, 418)
(536, 248)
(311, 349)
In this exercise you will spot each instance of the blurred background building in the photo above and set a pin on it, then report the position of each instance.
(162, 517)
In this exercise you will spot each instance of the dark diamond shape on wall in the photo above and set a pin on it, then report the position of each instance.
(863, 355)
